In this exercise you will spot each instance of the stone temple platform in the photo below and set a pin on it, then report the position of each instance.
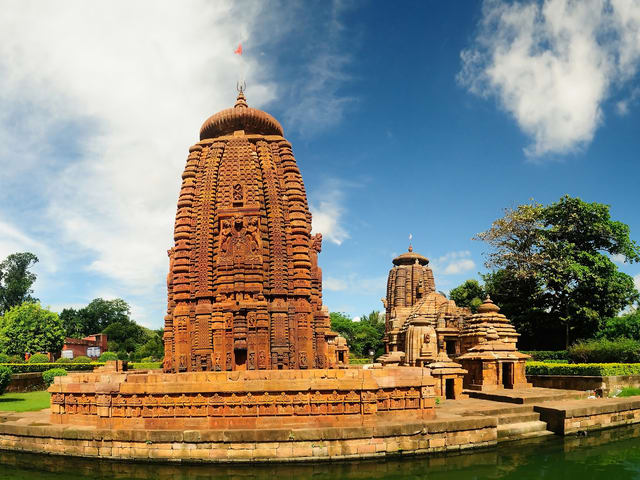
(107, 398)
(457, 425)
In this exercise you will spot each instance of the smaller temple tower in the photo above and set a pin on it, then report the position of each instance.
(425, 329)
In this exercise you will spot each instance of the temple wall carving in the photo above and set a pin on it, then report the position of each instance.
(244, 287)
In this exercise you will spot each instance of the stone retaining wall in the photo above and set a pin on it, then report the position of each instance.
(566, 418)
(602, 385)
(25, 382)
(252, 445)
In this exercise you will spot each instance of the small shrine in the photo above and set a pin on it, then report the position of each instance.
(461, 349)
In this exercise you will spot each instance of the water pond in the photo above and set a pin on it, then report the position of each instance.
(611, 454)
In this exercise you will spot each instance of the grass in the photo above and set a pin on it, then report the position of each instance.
(629, 392)
(24, 402)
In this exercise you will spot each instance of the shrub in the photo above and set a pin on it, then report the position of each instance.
(5, 378)
(39, 358)
(622, 350)
(359, 361)
(107, 356)
(145, 365)
(544, 355)
(4, 358)
(49, 375)
(16, 359)
(41, 367)
(579, 369)
(123, 356)
(63, 360)
(81, 359)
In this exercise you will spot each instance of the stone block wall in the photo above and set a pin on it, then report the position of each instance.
(253, 445)
(566, 418)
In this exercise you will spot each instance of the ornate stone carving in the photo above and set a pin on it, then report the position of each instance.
(244, 287)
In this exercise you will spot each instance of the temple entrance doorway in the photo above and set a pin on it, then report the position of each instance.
(507, 375)
(240, 357)
(449, 389)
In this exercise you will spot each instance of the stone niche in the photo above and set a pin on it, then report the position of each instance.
(248, 399)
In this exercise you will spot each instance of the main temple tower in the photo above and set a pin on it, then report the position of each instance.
(244, 286)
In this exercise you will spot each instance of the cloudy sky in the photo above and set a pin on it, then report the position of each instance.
(427, 119)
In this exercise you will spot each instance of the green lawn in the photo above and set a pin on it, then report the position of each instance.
(24, 402)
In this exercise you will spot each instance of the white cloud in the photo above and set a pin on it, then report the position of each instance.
(552, 65)
(135, 80)
(328, 211)
(334, 284)
(636, 281)
(618, 258)
(459, 266)
(13, 240)
(317, 101)
(453, 263)
(99, 103)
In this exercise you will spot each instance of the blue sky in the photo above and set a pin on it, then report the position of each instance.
(423, 117)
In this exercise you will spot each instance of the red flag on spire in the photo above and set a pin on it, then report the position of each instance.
(238, 50)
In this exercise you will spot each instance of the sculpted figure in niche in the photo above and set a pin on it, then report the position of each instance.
(237, 193)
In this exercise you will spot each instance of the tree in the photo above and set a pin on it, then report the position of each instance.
(626, 325)
(95, 317)
(559, 256)
(16, 280)
(124, 335)
(153, 347)
(29, 328)
(361, 336)
(470, 294)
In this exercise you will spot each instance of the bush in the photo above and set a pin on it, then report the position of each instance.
(41, 367)
(5, 378)
(63, 360)
(39, 358)
(145, 365)
(544, 355)
(359, 361)
(49, 375)
(123, 356)
(4, 358)
(578, 369)
(16, 359)
(622, 350)
(108, 356)
(81, 359)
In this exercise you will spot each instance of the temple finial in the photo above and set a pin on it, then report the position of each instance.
(241, 101)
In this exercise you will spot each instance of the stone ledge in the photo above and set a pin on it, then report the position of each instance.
(277, 445)
(570, 417)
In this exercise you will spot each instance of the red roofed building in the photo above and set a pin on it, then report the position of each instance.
(92, 346)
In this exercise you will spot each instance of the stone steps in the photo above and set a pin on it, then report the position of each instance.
(518, 417)
(508, 396)
(522, 430)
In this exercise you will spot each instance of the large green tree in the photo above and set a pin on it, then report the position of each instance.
(16, 280)
(470, 294)
(29, 328)
(556, 259)
(95, 317)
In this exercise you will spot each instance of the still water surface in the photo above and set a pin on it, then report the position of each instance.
(611, 455)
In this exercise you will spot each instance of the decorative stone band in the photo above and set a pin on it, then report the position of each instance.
(242, 399)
